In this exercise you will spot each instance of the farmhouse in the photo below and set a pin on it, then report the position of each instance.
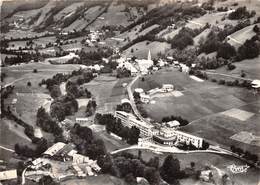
(130, 120)
(144, 98)
(82, 120)
(54, 149)
(139, 90)
(167, 87)
(173, 124)
(256, 84)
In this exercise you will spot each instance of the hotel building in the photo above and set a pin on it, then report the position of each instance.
(130, 120)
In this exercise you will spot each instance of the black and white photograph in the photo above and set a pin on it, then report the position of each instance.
(130, 92)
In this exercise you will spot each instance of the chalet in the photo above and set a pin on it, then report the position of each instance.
(167, 88)
(173, 124)
(256, 85)
(144, 98)
(82, 120)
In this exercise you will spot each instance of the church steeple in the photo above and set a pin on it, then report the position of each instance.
(149, 57)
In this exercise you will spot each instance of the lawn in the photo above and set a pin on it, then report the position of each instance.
(29, 98)
(140, 49)
(10, 134)
(108, 92)
(202, 103)
(99, 180)
(251, 67)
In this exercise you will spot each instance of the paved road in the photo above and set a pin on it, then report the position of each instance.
(131, 98)
(8, 149)
(173, 150)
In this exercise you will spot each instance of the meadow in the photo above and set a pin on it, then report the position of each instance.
(215, 112)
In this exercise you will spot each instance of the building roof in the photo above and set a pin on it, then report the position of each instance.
(54, 149)
(142, 95)
(125, 100)
(139, 90)
(255, 83)
(7, 175)
(167, 85)
(173, 123)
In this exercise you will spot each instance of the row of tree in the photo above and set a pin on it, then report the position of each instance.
(245, 154)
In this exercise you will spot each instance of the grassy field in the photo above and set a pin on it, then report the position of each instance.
(140, 50)
(29, 98)
(11, 133)
(202, 103)
(108, 92)
(99, 180)
(240, 36)
(251, 67)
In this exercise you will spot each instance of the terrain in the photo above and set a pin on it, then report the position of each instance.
(65, 36)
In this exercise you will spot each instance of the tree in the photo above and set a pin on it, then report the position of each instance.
(170, 170)
(55, 91)
(248, 50)
(35, 70)
(154, 162)
(226, 51)
(29, 84)
(152, 175)
(130, 179)
(256, 29)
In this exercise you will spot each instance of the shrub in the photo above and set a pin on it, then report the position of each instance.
(231, 66)
(221, 82)
(213, 80)
(256, 29)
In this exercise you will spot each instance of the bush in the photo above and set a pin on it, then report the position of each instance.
(231, 66)
(35, 70)
(29, 84)
(221, 82)
(213, 80)
(256, 29)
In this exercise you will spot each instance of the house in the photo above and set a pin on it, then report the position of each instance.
(54, 149)
(125, 100)
(155, 68)
(144, 98)
(8, 175)
(167, 88)
(176, 64)
(173, 124)
(256, 84)
(139, 90)
(78, 159)
(82, 120)
(38, 133)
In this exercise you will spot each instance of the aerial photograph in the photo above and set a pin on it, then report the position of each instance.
(130, 92)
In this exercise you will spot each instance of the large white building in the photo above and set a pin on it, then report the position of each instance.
(130, 120)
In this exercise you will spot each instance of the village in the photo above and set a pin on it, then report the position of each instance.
(118, 93)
